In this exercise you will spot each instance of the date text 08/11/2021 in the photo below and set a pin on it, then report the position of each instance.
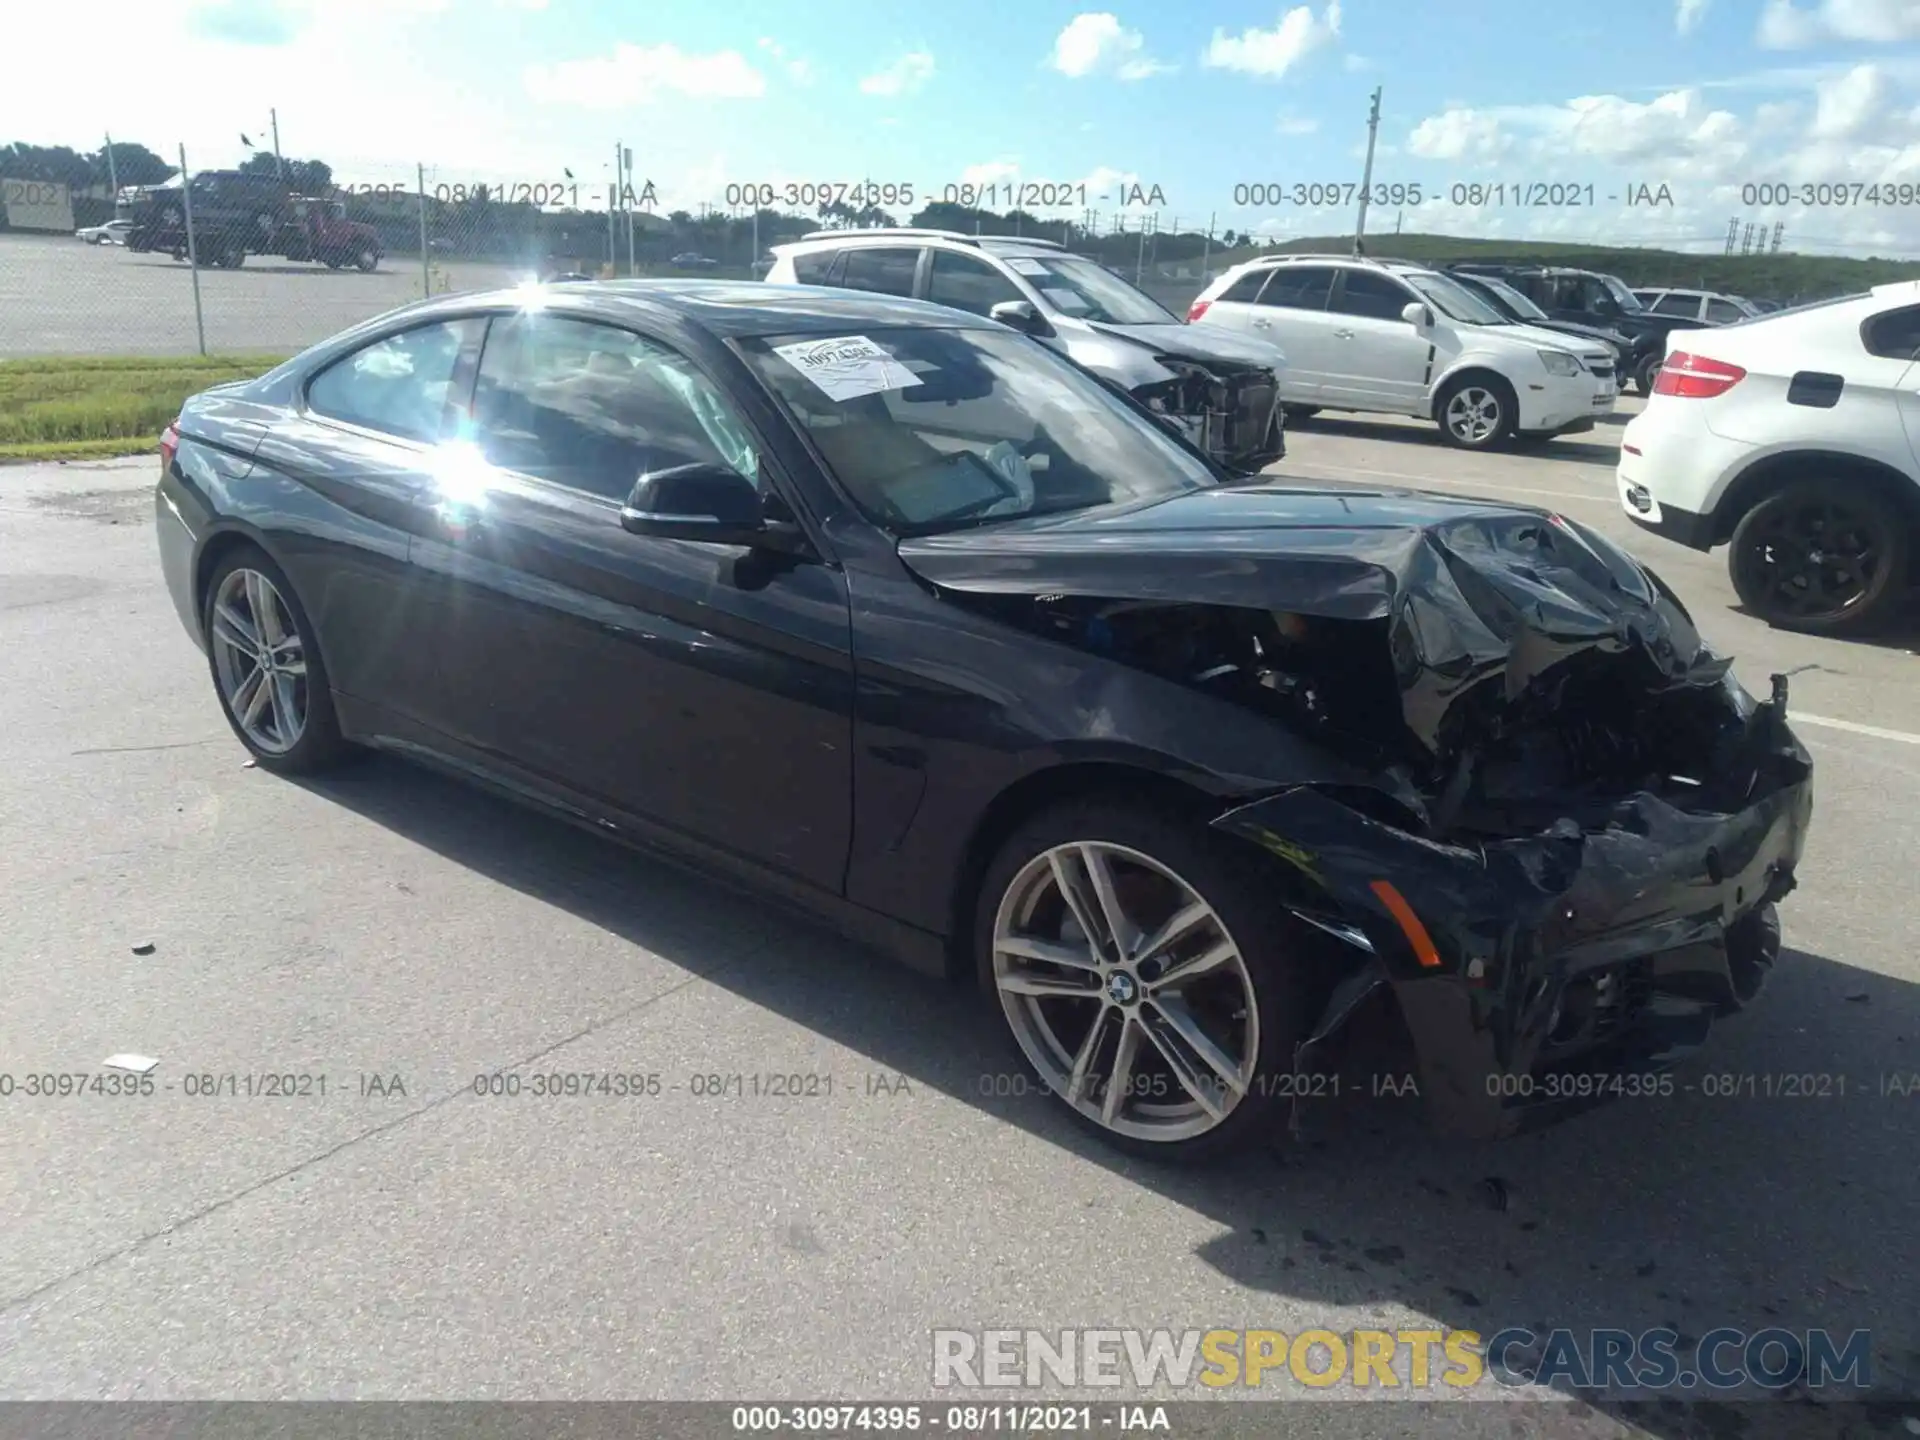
(1463, 194)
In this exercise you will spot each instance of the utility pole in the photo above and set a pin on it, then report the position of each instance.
(1366, 177)
(426, 250)
(279, 166)
(620, 189)
(613, 253)
(626, 156)
(1733, 231)
(113, 177)
(1206, 251)
(1779, 229)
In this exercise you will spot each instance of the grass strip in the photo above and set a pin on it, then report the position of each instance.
(88, 406)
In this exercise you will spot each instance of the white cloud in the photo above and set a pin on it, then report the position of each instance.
(797, 68)
(1785, 26)
(1097, 43)
(1271, 53)
(992, 172)
(635, 74)
(1688, 14)
(1296, 125)
(902, 77)
(1856, 127)
(1856, 105)
(1459, 135)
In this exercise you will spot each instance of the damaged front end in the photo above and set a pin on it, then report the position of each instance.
(1564, 864)
(1229, 410)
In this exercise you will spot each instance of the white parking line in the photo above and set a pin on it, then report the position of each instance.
(1422, 482)
(1800, 717)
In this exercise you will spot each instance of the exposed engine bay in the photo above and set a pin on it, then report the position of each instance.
(1228, 410)
(1581, 737)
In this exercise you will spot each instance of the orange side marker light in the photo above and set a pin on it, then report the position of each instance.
(1409, 924)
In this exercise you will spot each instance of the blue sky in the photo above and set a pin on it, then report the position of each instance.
(1196, 98)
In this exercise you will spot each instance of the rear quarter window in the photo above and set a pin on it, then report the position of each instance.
(816, 267)
(1246, 289)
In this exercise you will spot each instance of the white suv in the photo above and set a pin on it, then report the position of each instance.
(1216, 389)
(1795, 440)
(1374, 335)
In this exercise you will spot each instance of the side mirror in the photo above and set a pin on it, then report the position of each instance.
(1416, 315)
(705, 502)
(1022, 316)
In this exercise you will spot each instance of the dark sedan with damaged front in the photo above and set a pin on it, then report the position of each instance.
(906, 618)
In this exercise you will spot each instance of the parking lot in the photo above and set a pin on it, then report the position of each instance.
(61, 297)
(417, 1240)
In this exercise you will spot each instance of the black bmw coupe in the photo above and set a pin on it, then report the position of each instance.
(895, 611)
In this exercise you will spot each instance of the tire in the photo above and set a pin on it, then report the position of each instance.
(1647, 372)
(1828, 557)
(1477, 412)
(301, 735)
(1251, 1007)
(368, 260)
(1297, 413)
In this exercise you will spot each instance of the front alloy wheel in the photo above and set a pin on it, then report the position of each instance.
(1148, 979)
(1475, 415)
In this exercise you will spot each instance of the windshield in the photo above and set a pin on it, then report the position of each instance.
(933, 430)
(1617, 288)
(1521, 305)
(1456, 302)
(1087, 290)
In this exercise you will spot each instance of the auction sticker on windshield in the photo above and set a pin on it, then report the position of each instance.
(847, 367)
(1026, 267)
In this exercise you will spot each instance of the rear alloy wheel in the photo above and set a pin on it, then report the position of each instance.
(266, 669)
(1648, 373)
(1477, 414)
(1149, 980)
(1828, 558)
(368, 259)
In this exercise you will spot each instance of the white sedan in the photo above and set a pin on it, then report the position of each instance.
(114, 232)
(1794, 439)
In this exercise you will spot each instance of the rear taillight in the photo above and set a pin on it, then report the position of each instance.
(1197, 309)
(169, 447)
(1696, 377)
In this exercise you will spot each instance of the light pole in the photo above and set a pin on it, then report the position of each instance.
(1366, 178)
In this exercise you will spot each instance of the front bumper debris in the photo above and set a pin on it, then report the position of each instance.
(1537, 976)
(1231, 414)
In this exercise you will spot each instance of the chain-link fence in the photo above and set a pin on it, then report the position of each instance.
(269, 259)
(264, 260)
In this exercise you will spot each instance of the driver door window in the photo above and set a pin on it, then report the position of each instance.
(968, 284)
(593, 408)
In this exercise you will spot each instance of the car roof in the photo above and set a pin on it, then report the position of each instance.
(1012, 245)
(731, 309)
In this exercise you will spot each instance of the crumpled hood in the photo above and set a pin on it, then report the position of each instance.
(1197, 342)
(1465, 591)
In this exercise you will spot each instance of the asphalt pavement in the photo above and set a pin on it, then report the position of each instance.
(397, 935)
(60, 296)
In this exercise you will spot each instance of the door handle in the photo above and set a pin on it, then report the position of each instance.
(1343, 334)
(1263, 324)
